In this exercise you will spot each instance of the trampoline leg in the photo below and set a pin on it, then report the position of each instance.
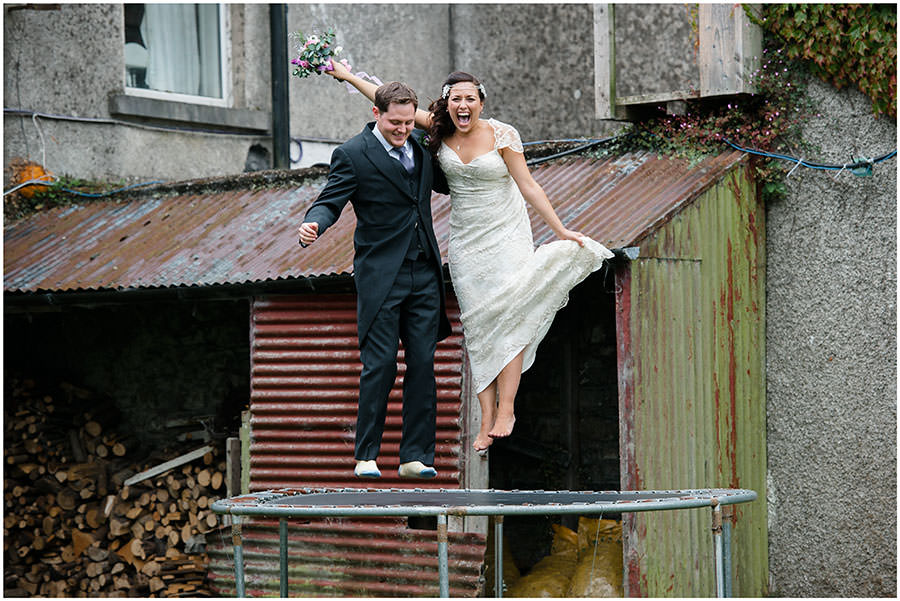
(282, 555)
(727, 514)
(238, 555)
(498, 556)
(443, 575)
(717, 543)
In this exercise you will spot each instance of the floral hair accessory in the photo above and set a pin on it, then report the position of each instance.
(445, 91)
(315, 54)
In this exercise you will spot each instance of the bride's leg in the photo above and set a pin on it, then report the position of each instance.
(507, 387)
(488, 400)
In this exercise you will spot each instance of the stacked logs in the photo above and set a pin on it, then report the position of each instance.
(74, 528)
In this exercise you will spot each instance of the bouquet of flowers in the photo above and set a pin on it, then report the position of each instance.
(316, 53)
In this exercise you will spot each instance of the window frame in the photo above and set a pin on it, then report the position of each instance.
(227, 98)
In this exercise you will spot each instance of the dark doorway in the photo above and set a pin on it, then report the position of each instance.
(567, 429)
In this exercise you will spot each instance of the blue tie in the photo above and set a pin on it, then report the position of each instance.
(404, 160)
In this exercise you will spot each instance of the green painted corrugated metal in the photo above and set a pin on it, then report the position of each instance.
(692, 388)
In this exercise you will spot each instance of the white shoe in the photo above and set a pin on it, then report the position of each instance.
(367, 469)
(416, 469)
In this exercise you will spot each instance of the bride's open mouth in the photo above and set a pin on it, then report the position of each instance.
(463, 118)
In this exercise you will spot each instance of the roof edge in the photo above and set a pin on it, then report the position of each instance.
(14, 301)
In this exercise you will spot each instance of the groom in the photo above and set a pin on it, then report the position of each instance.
(388, 177)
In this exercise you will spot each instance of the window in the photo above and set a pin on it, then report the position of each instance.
(176, 52)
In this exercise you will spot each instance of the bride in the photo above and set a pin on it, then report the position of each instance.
(508, 291)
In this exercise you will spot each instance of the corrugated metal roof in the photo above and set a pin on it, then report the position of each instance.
(246, 236)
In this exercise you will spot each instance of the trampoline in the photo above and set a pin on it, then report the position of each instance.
(442, 503)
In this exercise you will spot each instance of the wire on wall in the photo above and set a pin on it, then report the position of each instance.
(861, 167)
(101, 120)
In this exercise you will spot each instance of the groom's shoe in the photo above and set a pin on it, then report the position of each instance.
(416, 469)
(367, 469)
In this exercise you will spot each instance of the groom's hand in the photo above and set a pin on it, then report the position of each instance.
(308, 233)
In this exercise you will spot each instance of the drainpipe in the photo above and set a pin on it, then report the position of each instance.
(281, 118)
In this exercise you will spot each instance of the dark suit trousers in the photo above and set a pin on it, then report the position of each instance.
(410, 314)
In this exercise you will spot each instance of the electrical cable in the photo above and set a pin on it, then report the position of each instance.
(53, 179)
(558, 141)
(590, 143)
(42, 182)
(862, 163)
(101, 120)
(857, 164)
(111, 192)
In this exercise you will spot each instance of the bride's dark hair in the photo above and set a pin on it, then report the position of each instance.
(441, 124)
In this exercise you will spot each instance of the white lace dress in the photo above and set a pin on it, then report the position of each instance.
(508, 291)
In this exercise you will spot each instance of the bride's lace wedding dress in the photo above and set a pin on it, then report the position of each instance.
(508, 291)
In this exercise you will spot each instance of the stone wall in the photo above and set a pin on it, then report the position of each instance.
(535, 59)
(155, 361)
(403, 42)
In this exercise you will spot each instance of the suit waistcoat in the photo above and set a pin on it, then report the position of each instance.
(418, 244)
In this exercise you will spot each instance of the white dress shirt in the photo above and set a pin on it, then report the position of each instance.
(406, 148)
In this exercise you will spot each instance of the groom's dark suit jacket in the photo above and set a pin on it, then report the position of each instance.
(386, 209)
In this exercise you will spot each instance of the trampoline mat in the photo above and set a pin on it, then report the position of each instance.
(457, 498)
(463, 498)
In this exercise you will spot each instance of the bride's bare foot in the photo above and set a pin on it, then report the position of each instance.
(503, 426)
(482, 442)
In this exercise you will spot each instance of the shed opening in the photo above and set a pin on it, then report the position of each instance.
(567, 429)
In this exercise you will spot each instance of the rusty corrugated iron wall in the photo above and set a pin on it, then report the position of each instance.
(690, 324)
(304, 390)
(342, 557)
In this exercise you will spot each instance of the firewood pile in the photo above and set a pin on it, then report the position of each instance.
(85, 517)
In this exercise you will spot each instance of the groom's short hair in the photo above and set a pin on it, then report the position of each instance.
(394, 92)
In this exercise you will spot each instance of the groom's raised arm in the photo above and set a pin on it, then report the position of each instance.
(335, 195)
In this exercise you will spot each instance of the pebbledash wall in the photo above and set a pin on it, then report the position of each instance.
(93, 134)
(543, 87)
(831, 323)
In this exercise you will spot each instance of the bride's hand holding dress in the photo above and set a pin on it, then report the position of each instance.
(535, 196)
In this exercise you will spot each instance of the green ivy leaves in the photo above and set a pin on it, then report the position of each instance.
(843, 44)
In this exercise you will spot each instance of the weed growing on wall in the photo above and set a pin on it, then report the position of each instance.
(770, 119)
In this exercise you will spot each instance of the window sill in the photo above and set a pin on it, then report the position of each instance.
(228, 119)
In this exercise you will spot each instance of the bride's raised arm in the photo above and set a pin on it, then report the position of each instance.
(367, 89)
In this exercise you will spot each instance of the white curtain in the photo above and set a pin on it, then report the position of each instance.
(209, 50)
(183, 44)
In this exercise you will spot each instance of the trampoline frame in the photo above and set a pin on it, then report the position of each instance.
(272, 504)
